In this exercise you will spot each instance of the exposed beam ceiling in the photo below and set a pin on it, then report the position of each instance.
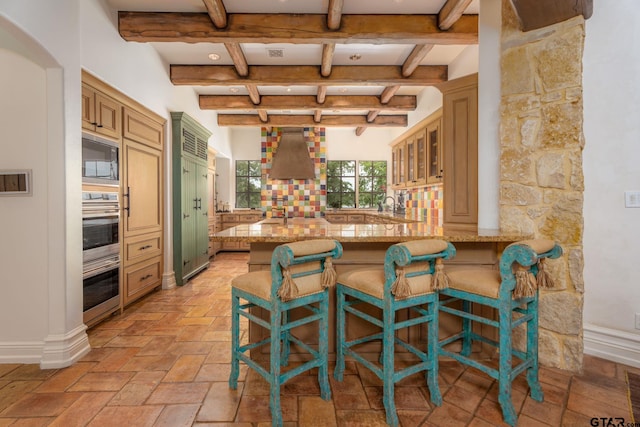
(335, 32)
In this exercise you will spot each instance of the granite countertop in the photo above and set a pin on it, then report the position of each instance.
(273, 230)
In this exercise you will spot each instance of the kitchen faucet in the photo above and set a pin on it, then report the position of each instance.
(393, 204)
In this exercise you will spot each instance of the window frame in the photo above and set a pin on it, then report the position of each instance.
(356, 193)
(247, 178)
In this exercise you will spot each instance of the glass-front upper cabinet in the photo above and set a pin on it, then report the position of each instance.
(411, 160)
(421, 158)
(434, 164)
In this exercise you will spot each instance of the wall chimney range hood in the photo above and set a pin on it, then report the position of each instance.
(292, 159)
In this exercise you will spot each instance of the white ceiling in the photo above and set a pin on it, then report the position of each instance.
(298, 54)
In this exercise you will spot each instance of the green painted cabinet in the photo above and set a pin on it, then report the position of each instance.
(190, 197)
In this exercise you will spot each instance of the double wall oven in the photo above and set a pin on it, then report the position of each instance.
(101, 254)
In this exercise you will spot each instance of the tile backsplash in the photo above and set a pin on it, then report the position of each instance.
(425, 204)
(301, 198)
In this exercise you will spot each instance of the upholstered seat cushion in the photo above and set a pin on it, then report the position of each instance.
(371, 281)
(310, 247)
(539, 246)
(258, 283)
(476, 281)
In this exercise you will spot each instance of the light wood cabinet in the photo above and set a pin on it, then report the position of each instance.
(107, 112)
(417, 154)
(460, 146)
(101, 113)
(190, 197)
(237, 218)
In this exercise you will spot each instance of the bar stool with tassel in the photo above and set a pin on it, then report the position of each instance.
(513, 292)
(300, 275)
(411, 275)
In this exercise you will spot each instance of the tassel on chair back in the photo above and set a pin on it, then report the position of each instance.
(544, 278)
(440, 279)
(288, 290)
(526, 285)
(401, 288)
(329, 275)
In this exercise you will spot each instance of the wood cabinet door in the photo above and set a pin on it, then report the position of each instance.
(142, 188)
(88, 108)
(434, 156)
(202, 222)
(460, 180)
(108, 116)
(421, 157)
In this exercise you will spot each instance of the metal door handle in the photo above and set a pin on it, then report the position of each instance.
(128, 196)
(146, 277)
(142, 248)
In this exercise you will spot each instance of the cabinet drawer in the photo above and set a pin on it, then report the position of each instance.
(230, 218)
(141, 278)
(142, 247)
(339, 219)
(355, 219)
(250, 218)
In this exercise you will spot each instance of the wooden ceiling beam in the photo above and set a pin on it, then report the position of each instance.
(388, 93)
(327, 58)
(309, 75)
(451, 12)
(322, 94)
(372, 115)
(217, 12)
(415, 57)
(294, 28)
(308, 120)
(239, 60)
(317, 116)
(307, 102)
(254, 95)
(263, 116)
(334, 14)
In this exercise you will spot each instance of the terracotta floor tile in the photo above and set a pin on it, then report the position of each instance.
(29, 373)
(99, 381)
(8, 367)
(32, 422)
(83, 409)
(350, 401)
(545, 412)
(448, 415)
(158, 345)
(302, 385)
(221, 403)
(117, 358)
(13, 391)
(349, 384)
(136, 391)
(188, 347)
(175, 393)
(140, 416)
(594, 408)
(219, 372)
(185, 369)
(128, 341)
(410, 417)
(177, 416)
(463, 398)
(315, 412)
(65, 378)
(361, 418)
(476, 384)
(256, 409)
(41, 405)
(490, 412)
(615, 394)
(597, 366)
(150, 363)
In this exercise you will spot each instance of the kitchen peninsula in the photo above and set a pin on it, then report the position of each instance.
(364, 245)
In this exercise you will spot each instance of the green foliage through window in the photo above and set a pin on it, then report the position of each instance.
(248, 183)
(345, 186)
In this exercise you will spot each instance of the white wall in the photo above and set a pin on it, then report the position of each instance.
(612, 150)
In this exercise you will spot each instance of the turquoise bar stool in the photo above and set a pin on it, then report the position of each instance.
(513, 293)
(300, 275)
(412, 273)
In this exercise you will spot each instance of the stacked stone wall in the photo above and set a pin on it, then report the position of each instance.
(541, 181)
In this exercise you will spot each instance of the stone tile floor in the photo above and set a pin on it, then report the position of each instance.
(165, 362)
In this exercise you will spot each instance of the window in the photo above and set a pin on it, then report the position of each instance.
(348, 189)
(248, 183)
(372, 183)
(341, 184)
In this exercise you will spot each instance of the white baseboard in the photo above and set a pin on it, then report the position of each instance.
(56, 351)
(612, 344)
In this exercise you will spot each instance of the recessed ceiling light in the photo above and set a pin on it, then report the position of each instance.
(288, 89)
(214, 56)
(343, 90)
(234, 90)
(355, 57)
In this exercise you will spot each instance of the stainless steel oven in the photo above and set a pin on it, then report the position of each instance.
(101, 254)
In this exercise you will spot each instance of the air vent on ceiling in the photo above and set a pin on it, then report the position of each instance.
(275, 53)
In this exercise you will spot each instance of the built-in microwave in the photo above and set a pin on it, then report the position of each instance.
(99, 160)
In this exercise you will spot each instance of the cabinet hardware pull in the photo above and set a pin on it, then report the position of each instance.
(128, 196)
(145, 277)
(200, 204)
(185, 170)
(184, 216)
(142, 248)
(99, 126)
(94, 123)
(196, 204)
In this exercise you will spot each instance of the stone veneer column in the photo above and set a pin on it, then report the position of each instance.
(541, 181)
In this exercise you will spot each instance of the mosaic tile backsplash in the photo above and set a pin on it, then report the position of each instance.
(425, 204)
(301, 198)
